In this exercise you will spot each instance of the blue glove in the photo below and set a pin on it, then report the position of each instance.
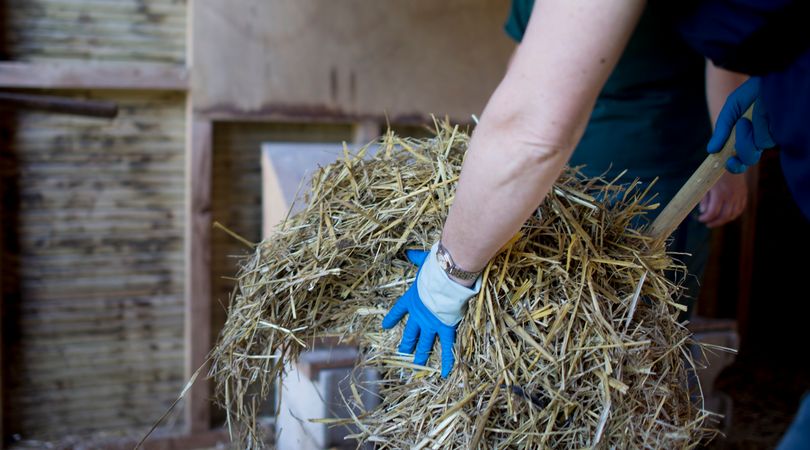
(435, 313)
(797, 437)
(752, 136)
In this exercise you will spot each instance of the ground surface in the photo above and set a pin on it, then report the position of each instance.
(765, 397)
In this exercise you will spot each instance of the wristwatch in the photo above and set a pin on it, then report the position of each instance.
(449, 266)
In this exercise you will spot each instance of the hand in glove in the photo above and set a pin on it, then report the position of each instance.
(434, 306)
(753, 136)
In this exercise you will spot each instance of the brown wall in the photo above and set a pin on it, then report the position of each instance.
(349, 58)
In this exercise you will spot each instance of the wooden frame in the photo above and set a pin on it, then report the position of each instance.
(199, 141)
(198, 267)
(43, 75)
(2, 353)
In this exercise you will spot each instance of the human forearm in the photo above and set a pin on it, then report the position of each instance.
(727, 199)
(499, 188)
(533, 121)
(719, 84)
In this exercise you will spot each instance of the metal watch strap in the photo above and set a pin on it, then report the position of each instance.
(449, 266)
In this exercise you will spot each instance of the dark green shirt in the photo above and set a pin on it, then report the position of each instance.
(651, 116)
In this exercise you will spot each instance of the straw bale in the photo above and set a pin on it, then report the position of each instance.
(573, 341)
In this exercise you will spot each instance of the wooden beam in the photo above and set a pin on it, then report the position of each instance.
(3, 317)
(93, 75)
(198, 268)
(199, 176)
(303, 113)
(315, 360)
(159, 440)
(332, 68)
(216, 438)
(207, 439)
(4, 20)
(9, 267)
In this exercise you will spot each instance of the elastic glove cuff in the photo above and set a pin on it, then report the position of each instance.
(442, 296)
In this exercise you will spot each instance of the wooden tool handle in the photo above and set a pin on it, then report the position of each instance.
(65, 105)
(695, 188)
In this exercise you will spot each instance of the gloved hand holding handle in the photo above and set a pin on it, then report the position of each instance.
(753, 136)
(434, 304)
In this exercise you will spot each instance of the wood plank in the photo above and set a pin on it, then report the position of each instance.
(161, 439)
(3, 313)
(135, 31)
(198, 268)
(165, 10)
(274, 204)
(312, 362)
(311, 60)
(212, 439)
(112, 326)
(5, 218)
(284, 166)
(105, 388)
(95, 75)
(164, 369)
(100, 340)
(365, 131)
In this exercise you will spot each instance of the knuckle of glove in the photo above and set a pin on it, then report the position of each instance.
(746, 148)
(734, 165)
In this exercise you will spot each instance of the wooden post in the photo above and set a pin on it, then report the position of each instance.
(199, 150)
(2, 356)
(3, 313)
(198, 267)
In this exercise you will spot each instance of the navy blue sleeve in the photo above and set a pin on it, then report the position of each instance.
(785, 96)
(749, 36)
(768, 38)
(518, 18)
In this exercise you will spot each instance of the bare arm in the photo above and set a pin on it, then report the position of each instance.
(727, 199)
(534, 120)
(719, 84)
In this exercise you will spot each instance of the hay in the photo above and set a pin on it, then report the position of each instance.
(573, 341)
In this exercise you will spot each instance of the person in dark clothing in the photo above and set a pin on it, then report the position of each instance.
(538, 114)
(651, 123)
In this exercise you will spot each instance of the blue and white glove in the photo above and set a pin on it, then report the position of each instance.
(753, 136)
(434, 305)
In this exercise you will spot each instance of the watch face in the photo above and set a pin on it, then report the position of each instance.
(444, 260)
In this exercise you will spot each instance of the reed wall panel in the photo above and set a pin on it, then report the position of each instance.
(100, 219)
(138, 31)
